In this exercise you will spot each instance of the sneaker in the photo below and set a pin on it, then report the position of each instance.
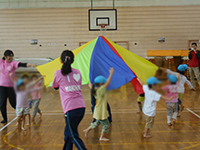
(4, 121)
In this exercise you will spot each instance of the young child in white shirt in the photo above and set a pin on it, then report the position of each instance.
(150, 103)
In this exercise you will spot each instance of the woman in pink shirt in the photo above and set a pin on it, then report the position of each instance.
(69, 82)
(7, 66)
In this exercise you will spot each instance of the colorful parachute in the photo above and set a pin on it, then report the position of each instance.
(97, 57)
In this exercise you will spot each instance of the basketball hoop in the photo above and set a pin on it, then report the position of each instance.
(103, 28)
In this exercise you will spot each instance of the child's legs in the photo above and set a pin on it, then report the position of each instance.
(19, 120)
(178, 107)
(105, 129)
(169, 112)
(19, 113)
(140, 106)
(35, 106)
(109, 111)
(180, 95)
(106, 126)
(139, 100)
(175, 111)
(149, 124)
(30, 103)
(95, 124)
(23, 121)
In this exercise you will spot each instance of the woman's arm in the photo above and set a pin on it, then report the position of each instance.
(31, 65)
(13, 79)
(109, 78)
(26, 65)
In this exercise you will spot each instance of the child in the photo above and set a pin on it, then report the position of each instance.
(139, 100)
(36, 97)
(151, 99)
(181, 89)
(29, 84)
(22, 107)
(93, 102)
(26, 79)
(171, 90)
(100, 111)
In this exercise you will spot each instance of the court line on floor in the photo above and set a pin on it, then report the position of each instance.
(193, 113)
(5, 140)
(114, 110)
(8, 124)
(119, 112)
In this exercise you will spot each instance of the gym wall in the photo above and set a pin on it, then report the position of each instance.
(54, 27)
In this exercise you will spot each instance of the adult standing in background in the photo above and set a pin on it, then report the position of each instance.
(194, 56)
(7, 66)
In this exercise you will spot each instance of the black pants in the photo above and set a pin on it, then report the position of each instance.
(72, 119)
(5, 93)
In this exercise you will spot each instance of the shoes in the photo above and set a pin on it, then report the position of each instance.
(4, 121)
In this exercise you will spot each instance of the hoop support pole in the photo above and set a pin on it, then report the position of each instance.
(91, 4)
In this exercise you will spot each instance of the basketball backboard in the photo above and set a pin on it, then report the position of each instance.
(97, 17)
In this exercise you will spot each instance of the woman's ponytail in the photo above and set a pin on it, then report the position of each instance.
(67, 58)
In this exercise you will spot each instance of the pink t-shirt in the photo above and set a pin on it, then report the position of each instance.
(5, 69)
(22, 97)
(171, 90)
(70, 89)
(37, 94)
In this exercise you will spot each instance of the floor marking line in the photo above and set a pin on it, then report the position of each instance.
(8, 124)
(13, 120)
(193, 112)
(195, 145)
(5, 141)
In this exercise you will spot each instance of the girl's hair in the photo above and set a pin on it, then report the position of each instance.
(94, 89)
(8, 53)
(34, 75)
(67, 58)
(25, 75)
(181, 72)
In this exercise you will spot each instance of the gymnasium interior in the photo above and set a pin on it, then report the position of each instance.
(158, 33)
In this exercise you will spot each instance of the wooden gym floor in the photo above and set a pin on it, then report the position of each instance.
(126, 129)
